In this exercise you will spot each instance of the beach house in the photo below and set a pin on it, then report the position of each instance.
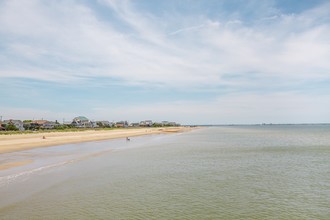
(121, 124)
(146, 123)
(2, 128)
(134, 124)
(42, 124)
(17, 123)
(81, 122)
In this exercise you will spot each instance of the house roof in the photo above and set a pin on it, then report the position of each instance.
(40, 122)
(12, 121)
(81, 118)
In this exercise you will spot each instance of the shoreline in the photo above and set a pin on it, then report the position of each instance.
(20, 142)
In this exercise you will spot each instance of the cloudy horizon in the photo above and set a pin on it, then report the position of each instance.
(193, 62)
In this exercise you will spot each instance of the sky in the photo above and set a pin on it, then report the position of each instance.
(188, 61)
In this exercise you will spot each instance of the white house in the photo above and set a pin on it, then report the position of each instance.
(82, 122)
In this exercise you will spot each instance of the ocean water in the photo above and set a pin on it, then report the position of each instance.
(236, 172)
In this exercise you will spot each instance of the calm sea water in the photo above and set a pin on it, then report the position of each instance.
(248, 172)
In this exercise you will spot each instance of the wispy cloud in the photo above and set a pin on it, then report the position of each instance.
(77, 42)
(186, 29)
(226, 51)
(236, 108)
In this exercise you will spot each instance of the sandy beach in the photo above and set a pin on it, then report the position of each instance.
(19, 142)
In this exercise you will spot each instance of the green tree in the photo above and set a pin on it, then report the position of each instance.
(157, 125)
(11, 127)
(27, 126)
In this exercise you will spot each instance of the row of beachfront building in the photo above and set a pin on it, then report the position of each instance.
(77, 122)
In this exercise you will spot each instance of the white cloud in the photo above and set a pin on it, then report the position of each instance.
(277, 107)
(69, 42)
(67, 37)
(34, 114)
(187, 29)
(238, 108)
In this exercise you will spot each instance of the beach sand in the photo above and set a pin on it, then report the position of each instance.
(19, 142)
(9, 165)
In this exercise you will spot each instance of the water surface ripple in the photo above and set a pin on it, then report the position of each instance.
(247, 172)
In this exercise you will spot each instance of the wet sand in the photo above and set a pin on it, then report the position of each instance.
(9, 165)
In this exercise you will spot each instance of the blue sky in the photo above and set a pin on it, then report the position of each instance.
(190, 61)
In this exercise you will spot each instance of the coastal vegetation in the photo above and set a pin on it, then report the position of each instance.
(10, 127)
(63, 129)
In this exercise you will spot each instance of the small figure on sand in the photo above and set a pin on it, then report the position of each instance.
(43, 137)
(127, 139)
